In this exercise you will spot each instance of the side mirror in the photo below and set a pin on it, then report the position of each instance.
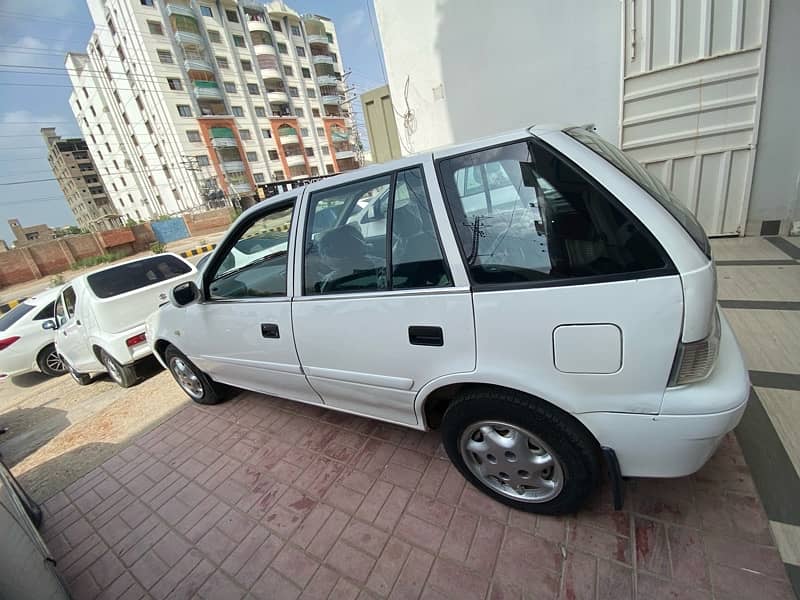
(184, 294)
(50, 324)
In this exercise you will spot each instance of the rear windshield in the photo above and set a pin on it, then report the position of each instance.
(648, 182)
(135, 275)
(14, 315)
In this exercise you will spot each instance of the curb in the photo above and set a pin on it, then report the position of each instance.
(198, 250)
(4, 308)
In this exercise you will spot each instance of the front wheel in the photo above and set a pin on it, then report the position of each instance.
(50, 362)
(123, 375)
(192, 380)
(521, 451)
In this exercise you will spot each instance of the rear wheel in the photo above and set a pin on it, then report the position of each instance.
(521, 451)
(123, 375)
(50, 362)
(192, 380)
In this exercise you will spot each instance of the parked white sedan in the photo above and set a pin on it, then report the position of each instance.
(24, 345)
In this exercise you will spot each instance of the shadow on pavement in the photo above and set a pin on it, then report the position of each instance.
(29, 380)
(28, 430)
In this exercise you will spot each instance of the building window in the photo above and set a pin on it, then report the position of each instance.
(165, 56)
(238, 41)
(330, 37)
(306, 73)
(213, 34)
(288, 71)
(273, 155)
(122, 180)
(146, 2)
(116, 166)
(295, 30)
(94, 113)
(136, 142)
(252, 89)
(299, 112)
(320, 131)
(294, 92)
(314, 112)
(309, 152)
(193, 135)
(85, 93)
(155, 28)
(245, 134)
(259, 177)
(100, 129)
(312, 93)
(237, 111)
(329, 169)
(279, 175)
(304, 131)
(282, 48)
(139, 103)
(202, 160)
(325, 151)
(230, 87)
(174, 84)
(260, 112)
(252, 157)
(184, 110)
(222, 62)
(247, 65)
(206, 12)
(232, 16)
(301, 52)
(276, 25)
(266, 134)
(108, 146)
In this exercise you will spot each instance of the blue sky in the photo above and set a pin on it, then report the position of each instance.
(35, 34)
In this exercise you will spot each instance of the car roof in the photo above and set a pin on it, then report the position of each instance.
(43, 297)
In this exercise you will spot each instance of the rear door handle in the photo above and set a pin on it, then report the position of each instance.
(425, 335)
(270, 330)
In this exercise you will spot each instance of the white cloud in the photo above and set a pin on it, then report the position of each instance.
(28, 50)
(353, 21)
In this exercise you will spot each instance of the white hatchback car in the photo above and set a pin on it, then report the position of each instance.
(24, 345)
(538, 297)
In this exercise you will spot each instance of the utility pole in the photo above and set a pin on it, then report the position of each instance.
(190, 164)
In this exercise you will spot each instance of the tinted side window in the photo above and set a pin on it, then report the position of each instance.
(46, 312)
(134, 275)
(14, 315)
(524, 215)
(255, 266)
(68, 295)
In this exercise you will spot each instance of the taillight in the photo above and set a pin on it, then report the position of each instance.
(6, 342)
(694, 361)
(137, 339)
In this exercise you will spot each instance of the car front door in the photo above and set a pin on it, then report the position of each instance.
(378, 312)
(241, 333)
(71, 341)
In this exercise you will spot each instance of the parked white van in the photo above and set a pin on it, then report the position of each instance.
(538, 297)
(99, 316)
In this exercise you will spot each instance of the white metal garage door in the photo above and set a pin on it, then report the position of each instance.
(691, 98)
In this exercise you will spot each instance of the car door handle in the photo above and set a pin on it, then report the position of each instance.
(270, 330)
(425, 335)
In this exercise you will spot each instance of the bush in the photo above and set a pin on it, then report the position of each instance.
(92, 261)
(158, 248)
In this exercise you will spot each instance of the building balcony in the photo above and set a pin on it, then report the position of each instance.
(270, 73)
(323, 80)
(289, 138)
(223, 142)
(331, 99)
(179, 9)
(343, 154)
(294, 160)
(256, 25)
(318, 39)
(278, 96)
(340, 135)
(263, 49)
(233, 166)
(188, 39)
(322, 59)
(197, 64)
(207, 90)
(242, 188)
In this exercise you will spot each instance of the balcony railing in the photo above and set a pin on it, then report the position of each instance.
(242, 188)
(290, 138)
(223, 143)
(331, 99)
(234, 166)
(188, 38)
(342, 154)
(270, 73)
(179, 9)
(318, 39)
(327, 80)
(207, 89)
(339, 135)
(277, 96)
(294, 160)
(322, 59)
(197, 64)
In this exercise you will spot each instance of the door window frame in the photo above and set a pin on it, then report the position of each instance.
(230, 240)
(305, 218)
(668, 269)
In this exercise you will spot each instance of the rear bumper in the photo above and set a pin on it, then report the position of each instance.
(693, 420)
(115, 345)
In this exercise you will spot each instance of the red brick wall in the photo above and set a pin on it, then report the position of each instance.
(14, 268)
(116, 237)
(143, 235)
(208, 222)
(50, 257)
(83, 246)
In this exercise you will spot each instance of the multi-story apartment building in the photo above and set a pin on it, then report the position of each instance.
(81, 183)
(178, 99)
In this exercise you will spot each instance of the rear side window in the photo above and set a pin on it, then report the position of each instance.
(47, 312)
(14, 315)
(523, 215)
(135, 275)
(645, 180)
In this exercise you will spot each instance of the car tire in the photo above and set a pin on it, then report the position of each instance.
(521, 451)
(79, 378)
(50, 362)
(122, 375)
(197, 385)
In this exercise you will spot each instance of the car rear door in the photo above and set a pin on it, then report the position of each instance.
(378, 310)
(71, 337)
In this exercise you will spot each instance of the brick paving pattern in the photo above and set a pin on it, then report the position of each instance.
(264, 498)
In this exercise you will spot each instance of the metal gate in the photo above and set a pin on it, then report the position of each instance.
(691, 98)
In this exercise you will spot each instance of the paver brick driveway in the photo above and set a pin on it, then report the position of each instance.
(263, 498)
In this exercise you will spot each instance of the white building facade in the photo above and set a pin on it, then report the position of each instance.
(679, 84)
(181, 102)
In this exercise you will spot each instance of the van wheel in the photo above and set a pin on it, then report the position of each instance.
(522, 452)
(79, 378)
(192, 380)
(50, 362)
(123, 375)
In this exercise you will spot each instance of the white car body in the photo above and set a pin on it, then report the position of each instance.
(105, 321)
(601, 349)
(21, 356)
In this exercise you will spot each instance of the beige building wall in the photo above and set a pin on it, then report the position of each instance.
(384, 142)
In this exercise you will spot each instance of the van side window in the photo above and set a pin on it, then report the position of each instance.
(524, 215)
(69, 301)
